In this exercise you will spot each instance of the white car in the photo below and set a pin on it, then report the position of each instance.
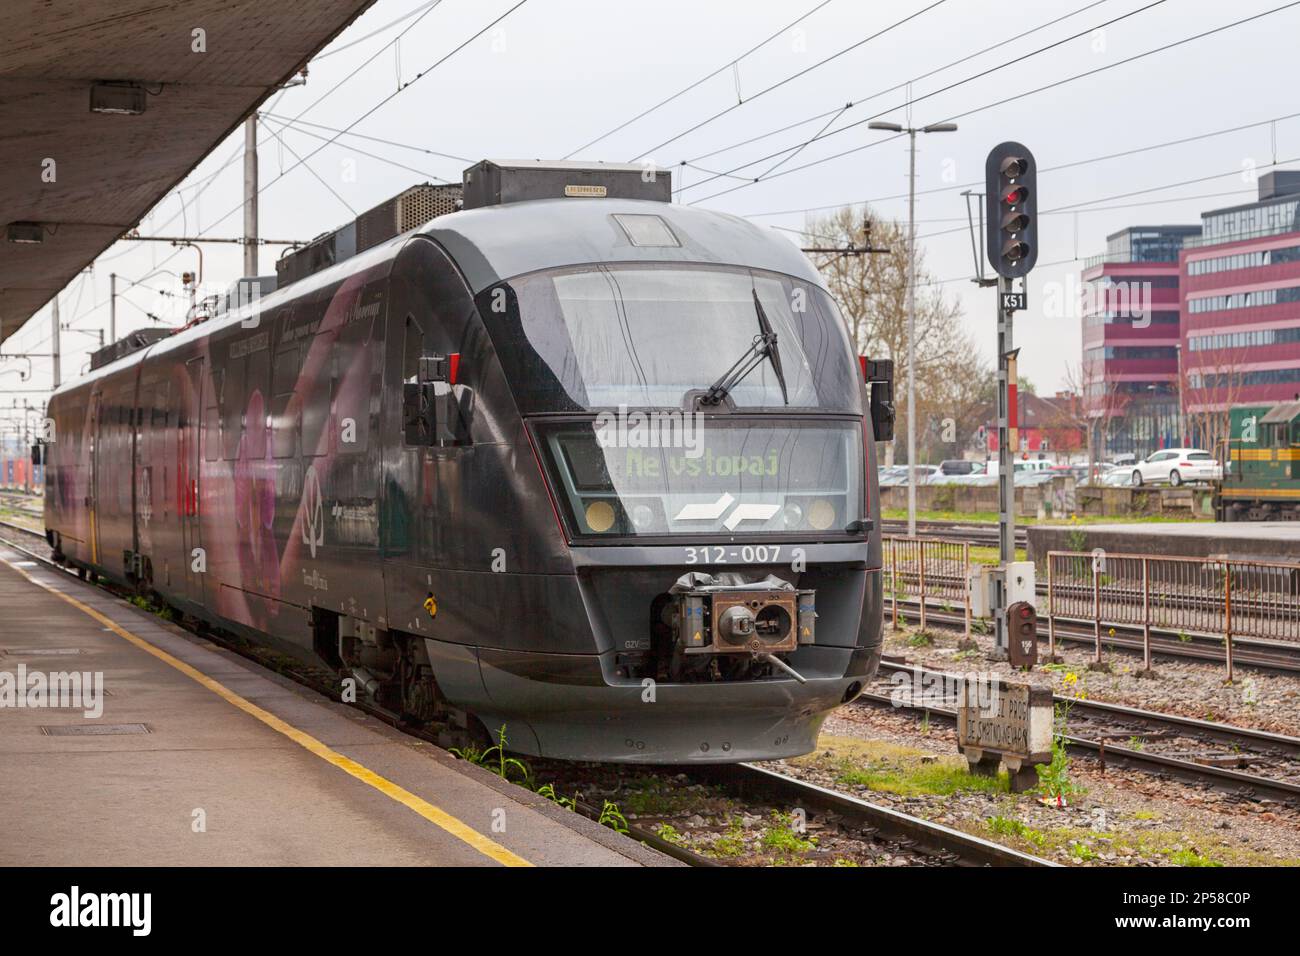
(1176, 466)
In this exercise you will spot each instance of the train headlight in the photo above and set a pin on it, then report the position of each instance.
(792, 515)
(821, 514)
(643, 516)
(600, 516)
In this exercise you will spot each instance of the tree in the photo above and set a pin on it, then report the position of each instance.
(952, 381)
(1211, 388)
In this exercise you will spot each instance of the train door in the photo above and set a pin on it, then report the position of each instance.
(92, 484)
(188, 466)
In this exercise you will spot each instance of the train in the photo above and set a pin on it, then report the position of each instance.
(541, 453)
(1261, 480)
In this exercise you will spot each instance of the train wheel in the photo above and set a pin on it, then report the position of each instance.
(1175, 478)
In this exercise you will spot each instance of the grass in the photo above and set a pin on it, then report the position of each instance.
(894, 768)
(1084, 845)
(980, 554)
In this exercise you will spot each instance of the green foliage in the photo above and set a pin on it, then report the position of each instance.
(547, 790)
(612, 818)
(780, 838)
(921, 639)
(1054, 778)
(1082, 852)
(494, 758)
(669, 834)
(1191, 858)
(732, 842)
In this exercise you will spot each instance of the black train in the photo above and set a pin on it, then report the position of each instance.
(573, 460)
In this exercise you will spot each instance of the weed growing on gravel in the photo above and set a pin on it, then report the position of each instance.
(669, 834)
(779, 838)
(1190, 858)
(732, 842)
(611, 817)
(1054, 778)
(1082, 852)
(494, 759)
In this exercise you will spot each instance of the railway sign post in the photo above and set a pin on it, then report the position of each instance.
(1008, 723)
(1011, 244)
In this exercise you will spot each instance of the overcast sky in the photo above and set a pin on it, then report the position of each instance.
(557, 74)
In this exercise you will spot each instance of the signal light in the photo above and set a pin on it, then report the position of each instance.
(1014, 222)
(1011, 233)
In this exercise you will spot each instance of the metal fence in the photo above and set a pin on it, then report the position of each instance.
(1184, 596)
(928, 570)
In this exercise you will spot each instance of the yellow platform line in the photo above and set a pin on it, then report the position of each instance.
(436, 816)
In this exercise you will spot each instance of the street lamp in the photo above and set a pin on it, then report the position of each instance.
(911, 303)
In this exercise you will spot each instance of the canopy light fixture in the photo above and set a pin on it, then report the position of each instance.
(123, 98)
(29, 232)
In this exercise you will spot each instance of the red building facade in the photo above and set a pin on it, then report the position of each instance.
(1130, 314)
(1241, 301)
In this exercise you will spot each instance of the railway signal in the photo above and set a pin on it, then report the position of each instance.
(1011, 245)
(1011, 210)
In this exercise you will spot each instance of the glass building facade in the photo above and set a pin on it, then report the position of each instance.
(1131, 340)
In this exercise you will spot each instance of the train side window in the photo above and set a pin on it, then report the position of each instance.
(234, 398)
(284, 410)
(284, 373)
(255, 425)
(212, 420)
(354, 386)
(316, 392)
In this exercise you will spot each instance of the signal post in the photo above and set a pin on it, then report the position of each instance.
(1011, 243)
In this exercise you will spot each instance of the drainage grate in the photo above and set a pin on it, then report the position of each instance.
(93, 730)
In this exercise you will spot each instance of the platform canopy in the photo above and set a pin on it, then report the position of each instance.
(81, 165)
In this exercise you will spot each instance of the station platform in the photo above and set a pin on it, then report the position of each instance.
(201, 758)
(1245, 540)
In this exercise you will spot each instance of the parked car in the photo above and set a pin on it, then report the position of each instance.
(960, 466)
(1176, 466)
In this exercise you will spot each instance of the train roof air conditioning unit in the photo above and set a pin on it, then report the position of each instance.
(496, 182)
(406, 211)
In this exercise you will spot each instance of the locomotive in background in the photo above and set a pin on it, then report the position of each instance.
(570, 459)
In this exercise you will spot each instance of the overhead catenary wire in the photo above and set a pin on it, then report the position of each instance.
(691, 86)
(794, 76)
(1073, 164)
(911, 101)
(858, 101)
(1018, 96)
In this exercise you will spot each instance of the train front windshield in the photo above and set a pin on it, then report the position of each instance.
(624, 346)
(643, 335)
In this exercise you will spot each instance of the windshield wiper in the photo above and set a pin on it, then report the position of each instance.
(763, 347)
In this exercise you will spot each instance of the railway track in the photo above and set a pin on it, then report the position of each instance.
(932, 843)
(1276, 657)
(1244, 762)
(977, 533)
